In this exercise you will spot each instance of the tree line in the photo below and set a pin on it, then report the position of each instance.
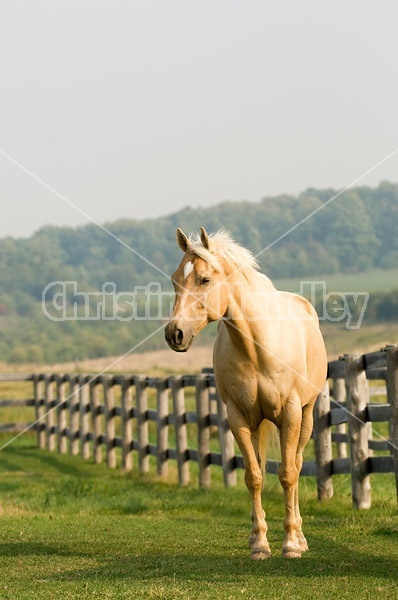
(317, 233)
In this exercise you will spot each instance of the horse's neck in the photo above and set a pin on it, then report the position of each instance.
(247, 296)
(251, 283)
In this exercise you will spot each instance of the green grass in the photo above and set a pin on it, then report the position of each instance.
(339, 340)
(72, 529)
(380, 280)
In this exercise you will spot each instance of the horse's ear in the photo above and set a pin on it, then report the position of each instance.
(204, 238)
(182, 240)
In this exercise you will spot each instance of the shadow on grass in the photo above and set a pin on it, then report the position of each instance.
(51, 460)
(14, 549)
(343, 563)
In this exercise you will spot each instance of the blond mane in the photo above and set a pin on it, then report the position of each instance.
(222, 245)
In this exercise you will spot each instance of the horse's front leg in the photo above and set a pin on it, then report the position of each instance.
(288, 475)
(305, 434)
(258, 542)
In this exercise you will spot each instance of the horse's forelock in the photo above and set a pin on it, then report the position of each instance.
(209, 257)
(222, 245)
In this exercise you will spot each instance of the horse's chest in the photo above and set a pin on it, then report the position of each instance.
(257, 398)
(268, 398)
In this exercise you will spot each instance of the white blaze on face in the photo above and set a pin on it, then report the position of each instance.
(188, 269)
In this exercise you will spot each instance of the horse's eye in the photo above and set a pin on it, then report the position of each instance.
(205, 281)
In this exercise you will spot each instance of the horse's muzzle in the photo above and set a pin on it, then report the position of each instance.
(177, 339)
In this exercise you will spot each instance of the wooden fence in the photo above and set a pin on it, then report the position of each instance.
(96, 415)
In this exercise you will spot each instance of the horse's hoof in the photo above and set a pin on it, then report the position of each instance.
(291, 553)
(303, 543)
(304, 547)
(260, 554)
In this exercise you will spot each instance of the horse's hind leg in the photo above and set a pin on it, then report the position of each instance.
(258, 542)
(288, 474)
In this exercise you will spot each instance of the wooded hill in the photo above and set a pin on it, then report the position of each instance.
(352, 233)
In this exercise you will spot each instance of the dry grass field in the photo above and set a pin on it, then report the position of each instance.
(156, 363)
(339, 340)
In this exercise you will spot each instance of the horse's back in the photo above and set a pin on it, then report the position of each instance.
(303, 303)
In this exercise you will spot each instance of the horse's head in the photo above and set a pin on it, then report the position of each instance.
(200, 295)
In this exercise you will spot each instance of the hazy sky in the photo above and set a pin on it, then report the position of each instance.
(139, 108)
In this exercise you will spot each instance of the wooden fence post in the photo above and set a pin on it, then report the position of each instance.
(84, 406)
(203, 412)
(40, 411)
(178, 395)
(392, 396)
(49, 408)
(162, 425)
(323, 444)
(62, 422)
(127, 424)
(74, 404)
(110, 423)
(339, 396)
(95, 409)
(357, 398)
(141, 394)
(227, 443)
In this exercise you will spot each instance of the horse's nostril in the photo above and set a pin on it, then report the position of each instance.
(179, 336)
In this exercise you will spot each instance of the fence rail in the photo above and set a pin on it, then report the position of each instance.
(95, 415)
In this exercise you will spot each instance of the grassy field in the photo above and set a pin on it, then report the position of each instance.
(377, 280)
(72, 529)
(339, 340)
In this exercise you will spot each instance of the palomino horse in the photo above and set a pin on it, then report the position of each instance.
(269, 363)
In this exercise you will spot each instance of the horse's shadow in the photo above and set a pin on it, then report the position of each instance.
(346, 563)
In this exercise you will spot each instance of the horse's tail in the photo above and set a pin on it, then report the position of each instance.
(269, 443)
